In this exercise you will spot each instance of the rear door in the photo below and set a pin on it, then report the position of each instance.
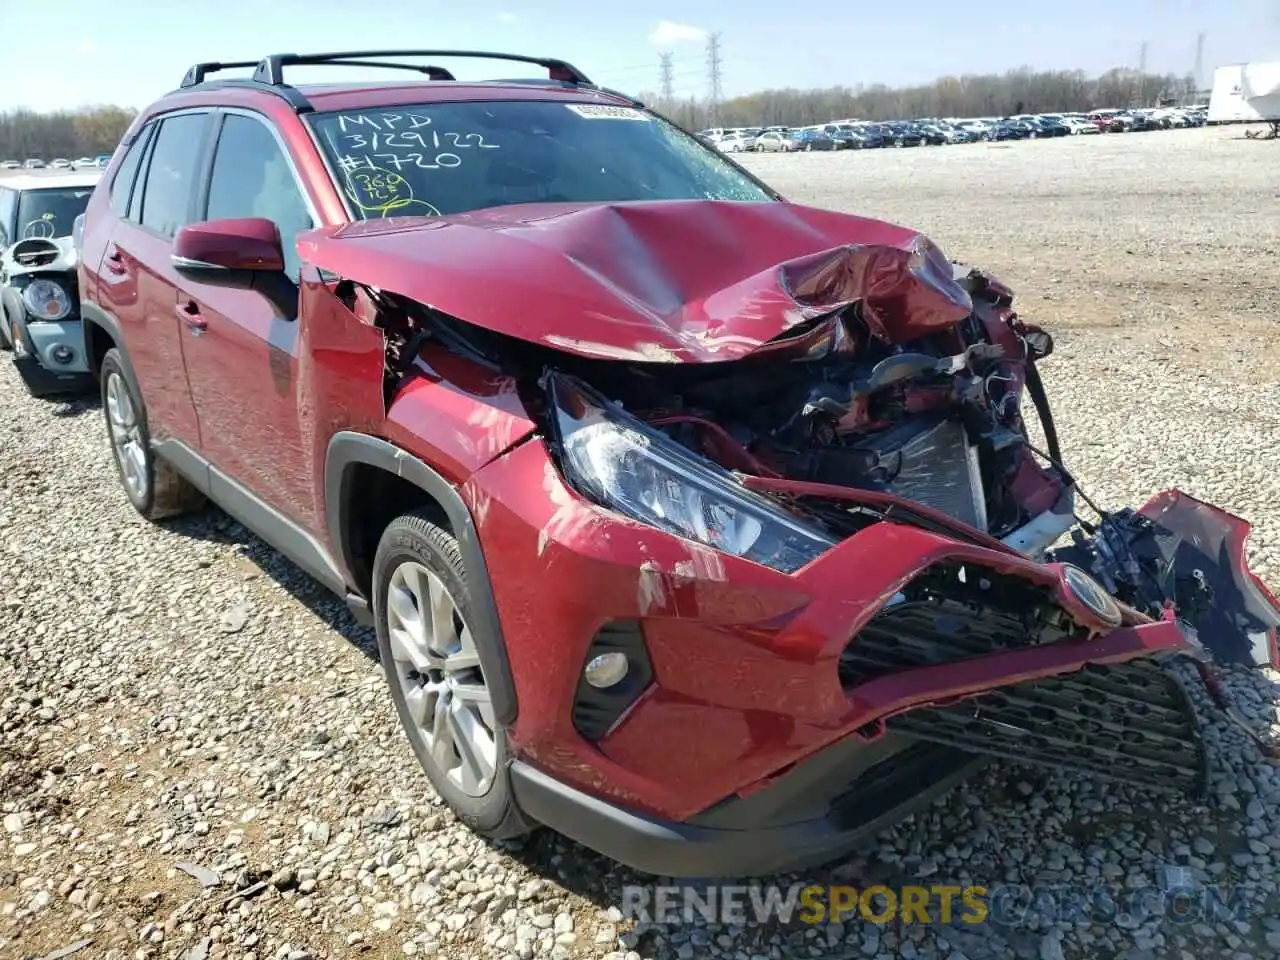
(137, 282)
(242, 356)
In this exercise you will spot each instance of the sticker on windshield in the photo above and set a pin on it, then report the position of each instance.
(599, 111)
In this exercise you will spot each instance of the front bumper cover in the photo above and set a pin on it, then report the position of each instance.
(34, 357)
(745, 689)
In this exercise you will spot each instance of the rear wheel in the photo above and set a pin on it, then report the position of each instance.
(429, 651)
(153, 486)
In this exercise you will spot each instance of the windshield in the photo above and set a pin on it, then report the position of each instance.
(444, 158)
(46, 214)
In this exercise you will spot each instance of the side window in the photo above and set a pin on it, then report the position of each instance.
(139, 184)
(171, 175)
(122, 185)
(8, 207)
(252, 178)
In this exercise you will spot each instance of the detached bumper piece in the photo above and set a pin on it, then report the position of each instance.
(1131, 721)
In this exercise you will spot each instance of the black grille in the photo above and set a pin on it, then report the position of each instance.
(949, 613)
(1132, 721)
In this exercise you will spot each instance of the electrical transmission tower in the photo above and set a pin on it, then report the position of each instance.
(1142, 57)
(714, 75)
(1198, 73)
(665, 76)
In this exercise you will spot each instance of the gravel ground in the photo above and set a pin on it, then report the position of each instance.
(199, 759)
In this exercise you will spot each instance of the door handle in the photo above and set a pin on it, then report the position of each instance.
(191, 316)
(115, 263)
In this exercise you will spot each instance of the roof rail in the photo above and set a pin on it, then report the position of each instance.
(199, 71)
(268, 75)
(271, 69)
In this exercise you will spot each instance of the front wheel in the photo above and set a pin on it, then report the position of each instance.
(431, 654)
(153, 486)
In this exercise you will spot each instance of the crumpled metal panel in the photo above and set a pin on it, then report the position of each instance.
(670, 281)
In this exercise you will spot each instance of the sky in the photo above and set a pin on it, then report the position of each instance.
(129, 52)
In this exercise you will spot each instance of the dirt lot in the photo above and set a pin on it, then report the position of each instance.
(181, 695)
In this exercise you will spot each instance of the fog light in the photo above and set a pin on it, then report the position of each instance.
(63, 354)
(606, 670)
(1092, 594)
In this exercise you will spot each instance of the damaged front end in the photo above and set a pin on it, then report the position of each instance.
(872, 448)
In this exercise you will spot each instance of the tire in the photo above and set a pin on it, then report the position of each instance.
(416, 558)
(153, 486)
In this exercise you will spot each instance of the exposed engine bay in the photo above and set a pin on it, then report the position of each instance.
(929, 431)
(936, 421)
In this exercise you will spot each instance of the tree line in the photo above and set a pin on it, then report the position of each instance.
(88, 132)
(971, 95)
(94, 130)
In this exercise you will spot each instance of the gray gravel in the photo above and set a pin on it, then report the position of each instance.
(198, 758)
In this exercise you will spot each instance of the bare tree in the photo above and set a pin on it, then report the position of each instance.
(64, 133)
(971, 95)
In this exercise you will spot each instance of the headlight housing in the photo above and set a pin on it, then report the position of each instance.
(46, 299)
(622, 464)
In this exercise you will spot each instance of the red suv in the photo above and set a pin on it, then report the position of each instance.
(699, 525)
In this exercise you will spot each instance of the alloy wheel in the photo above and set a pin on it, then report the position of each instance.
(437, 667)
(126, 436)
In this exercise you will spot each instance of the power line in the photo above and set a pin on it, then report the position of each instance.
(665, 76)
(714, 75)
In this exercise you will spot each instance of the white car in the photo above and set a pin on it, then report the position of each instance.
(776, 141)
(736, 143)
(1079, 125)
(60, 164)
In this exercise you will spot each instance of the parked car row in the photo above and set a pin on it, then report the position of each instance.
(60, 163)
(863, 134)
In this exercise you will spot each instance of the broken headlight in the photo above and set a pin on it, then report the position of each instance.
(620, 463)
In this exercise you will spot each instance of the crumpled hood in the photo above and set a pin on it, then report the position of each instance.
(668, 281)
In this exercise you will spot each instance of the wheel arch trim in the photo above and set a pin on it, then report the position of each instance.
(348, 449)
(92, 315)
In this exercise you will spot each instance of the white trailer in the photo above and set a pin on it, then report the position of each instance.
(1246, 93)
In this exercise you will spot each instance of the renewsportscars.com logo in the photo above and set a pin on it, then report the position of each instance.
(1003, 905)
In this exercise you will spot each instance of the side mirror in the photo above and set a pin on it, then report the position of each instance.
(243, 253)
(228, 253)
